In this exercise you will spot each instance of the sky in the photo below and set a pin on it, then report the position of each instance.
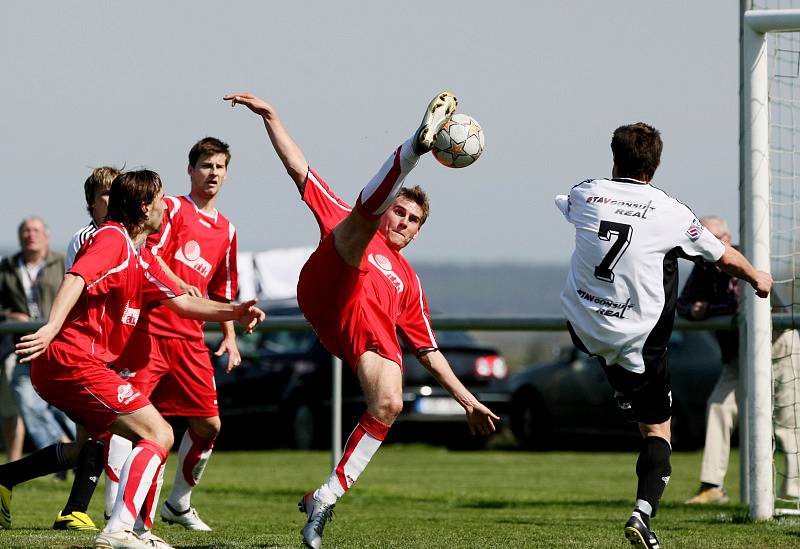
(93, 83)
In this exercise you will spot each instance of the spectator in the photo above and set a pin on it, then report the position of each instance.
(28, 283)
(711, 292)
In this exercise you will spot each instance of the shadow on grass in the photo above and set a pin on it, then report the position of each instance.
(517, 504)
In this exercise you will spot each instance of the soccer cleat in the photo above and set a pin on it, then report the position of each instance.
(153, 541)
(5, 507)
(639, 534)
(439, 110)
(709, 496)
(188, 518)
(123, 539)
(318, 514)
(74, 521)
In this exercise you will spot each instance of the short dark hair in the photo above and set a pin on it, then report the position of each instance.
(98, 181)
(208, 146)
(417, 195)
(637, 150)
(130, 193)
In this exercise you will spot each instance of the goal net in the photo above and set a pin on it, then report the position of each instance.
(783, 90)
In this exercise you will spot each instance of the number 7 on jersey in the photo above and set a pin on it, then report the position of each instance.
(622, 233)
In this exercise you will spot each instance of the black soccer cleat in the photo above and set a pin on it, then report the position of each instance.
(639, 534)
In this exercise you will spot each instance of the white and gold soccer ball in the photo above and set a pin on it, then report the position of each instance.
(459, 143)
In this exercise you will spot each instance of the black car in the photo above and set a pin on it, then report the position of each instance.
(569, 403)
(284, 388)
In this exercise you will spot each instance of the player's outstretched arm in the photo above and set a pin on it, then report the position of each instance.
(737, 265)
(290, 154)
(197, 308)
(479, 418)
(33, 345)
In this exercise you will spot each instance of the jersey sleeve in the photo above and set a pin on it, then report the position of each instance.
(328, 209)
(562, 203)
(156, 284)
(159, 241)
(415, 321)
(105, 254)
(225, 280)
(694, 239)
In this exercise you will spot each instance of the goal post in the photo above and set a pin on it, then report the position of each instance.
(755, 202)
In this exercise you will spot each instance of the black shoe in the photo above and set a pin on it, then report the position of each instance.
(639, 534)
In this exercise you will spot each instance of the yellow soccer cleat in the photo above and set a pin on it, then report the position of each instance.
(74, 521)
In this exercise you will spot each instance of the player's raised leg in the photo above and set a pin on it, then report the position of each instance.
(354, 233)
(382, 383)
(193, 455)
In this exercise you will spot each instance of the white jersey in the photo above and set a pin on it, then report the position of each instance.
(77, 241)
(622, 285)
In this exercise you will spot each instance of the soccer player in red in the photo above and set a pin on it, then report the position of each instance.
(167, 358)
(94, 313)
(357, 291)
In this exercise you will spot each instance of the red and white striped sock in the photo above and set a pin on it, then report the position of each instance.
(380, 192)
(138, 476)
(117, 451)
(147, 514)
(193, 457)
(364, 441)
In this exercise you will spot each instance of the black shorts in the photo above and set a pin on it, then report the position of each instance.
(643, 398)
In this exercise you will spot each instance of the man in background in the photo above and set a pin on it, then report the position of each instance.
(29, 281)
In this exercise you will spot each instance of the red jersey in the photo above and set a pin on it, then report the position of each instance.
(388, 281)
(121, 281)
(200, 249)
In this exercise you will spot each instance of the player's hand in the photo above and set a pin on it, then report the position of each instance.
(33, 345)
(480, 420)
(248, 315)
(228, 345)
(699, 310)
(258, 106)
(191, 290)
(762, 283)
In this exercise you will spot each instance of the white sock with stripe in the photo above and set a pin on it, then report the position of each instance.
(362, 444)
(193, 456)
(380, 192)
(136, 479)
(117, 451)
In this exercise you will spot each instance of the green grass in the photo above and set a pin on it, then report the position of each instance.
(416, 496)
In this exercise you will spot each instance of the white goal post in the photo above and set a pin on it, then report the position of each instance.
(757, 459)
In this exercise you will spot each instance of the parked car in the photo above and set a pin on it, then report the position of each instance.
(569, 403)
(284, 387)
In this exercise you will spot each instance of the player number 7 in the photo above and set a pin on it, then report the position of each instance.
(622, 232)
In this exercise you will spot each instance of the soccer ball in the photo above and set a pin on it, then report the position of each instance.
(459, 143)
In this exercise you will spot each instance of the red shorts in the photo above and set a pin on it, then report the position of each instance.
(175, 373)
(91, 394)
(347, 322)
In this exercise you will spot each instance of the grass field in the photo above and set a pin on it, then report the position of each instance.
(417, 496)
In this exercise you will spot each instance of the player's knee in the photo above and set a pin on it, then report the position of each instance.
(207, 428)
(390, 408)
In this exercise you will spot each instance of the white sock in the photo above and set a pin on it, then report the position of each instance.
(362, 444)
(382, 189)
(135, 482)
(193, 457)
(119, 448)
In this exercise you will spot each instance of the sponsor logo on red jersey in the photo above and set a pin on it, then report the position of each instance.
(385, 266)
(130, 316)
(190, 255)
